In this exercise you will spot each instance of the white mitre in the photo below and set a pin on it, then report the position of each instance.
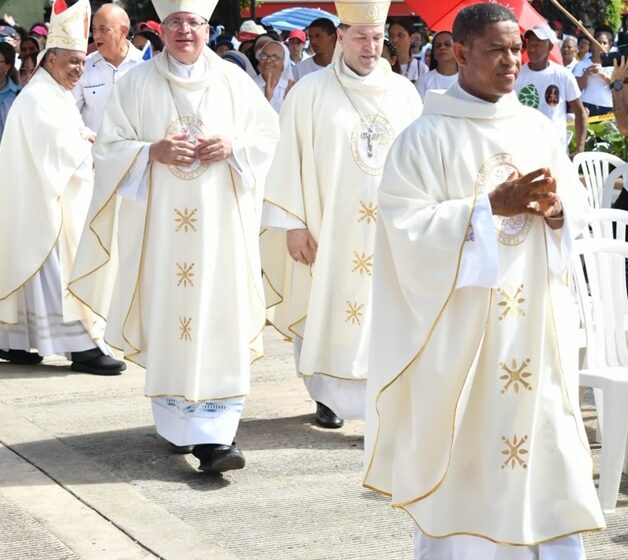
(69, 27)
(362, 12)
(203, 8)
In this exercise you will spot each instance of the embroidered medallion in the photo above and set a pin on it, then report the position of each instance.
(511, 230)
(370, 141)
(193, 128)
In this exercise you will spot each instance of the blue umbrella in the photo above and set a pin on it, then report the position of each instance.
(297, 18)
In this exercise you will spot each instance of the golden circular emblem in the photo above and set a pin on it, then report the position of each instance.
(193, 129)
(370, 141)
(511, 230)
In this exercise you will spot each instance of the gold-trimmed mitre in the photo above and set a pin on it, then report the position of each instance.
(362, 12)
(203, 8)
(69, 27)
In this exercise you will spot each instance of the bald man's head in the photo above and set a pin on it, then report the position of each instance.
(110, 27)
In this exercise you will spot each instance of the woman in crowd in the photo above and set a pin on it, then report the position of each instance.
(400, 33)
(8, 82)
(29, 65)
(594, 80)
(275, 78)
(389, 52)
(444, 69)
(29, 45)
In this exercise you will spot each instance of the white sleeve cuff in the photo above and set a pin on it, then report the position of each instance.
(479, 265)
(273, 216)
(559, 247)
(237, 160)
(135, 184)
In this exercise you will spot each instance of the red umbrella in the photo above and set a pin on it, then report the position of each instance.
(439, 16)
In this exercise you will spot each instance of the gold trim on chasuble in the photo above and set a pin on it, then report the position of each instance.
(371, 138)
(193, 128)
(510, 230)
(511, 303)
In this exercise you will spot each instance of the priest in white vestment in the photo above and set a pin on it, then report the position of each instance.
(320, 209)
(170, 253)
(46, 186)
(473, 420)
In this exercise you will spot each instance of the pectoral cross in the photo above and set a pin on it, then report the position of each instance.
(371, 138)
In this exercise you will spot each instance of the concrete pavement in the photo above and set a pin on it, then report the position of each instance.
(83, 476)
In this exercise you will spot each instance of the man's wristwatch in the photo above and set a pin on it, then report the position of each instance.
(618, 85)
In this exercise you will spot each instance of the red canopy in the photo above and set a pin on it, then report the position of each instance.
(440, 15)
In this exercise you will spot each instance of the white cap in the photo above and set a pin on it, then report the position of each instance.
(544, 33)
(69, 27)
(203, 8)
(362, 12)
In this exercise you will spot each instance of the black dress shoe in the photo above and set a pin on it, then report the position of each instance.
(326, 418)
(21, 357)
(180, 449)
(217, 458)
(95, 362)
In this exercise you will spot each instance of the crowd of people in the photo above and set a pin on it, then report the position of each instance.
(402, 211)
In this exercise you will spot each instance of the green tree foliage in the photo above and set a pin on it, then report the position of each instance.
(589, 12)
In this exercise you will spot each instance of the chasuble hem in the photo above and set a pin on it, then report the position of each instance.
(500, 542)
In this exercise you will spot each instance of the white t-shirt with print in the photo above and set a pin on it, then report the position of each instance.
(548, 90)
(596, 91)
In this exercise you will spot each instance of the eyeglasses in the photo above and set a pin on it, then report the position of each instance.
(177, 24)
(269, 57)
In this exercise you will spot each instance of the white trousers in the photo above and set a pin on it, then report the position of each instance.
(40, 317)
(346, 397)
(188, 423)
(466, 547)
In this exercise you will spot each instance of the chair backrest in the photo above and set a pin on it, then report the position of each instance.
(619, 174)
(595, 168)
(607, 223)
(599, 269)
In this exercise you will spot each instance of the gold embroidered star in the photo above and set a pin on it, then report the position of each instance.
(354, 313)
(185, 219)
(514, 452)
(511, 302)
(367, 212)
(516, 376)
(185, 274)
(185, 326)
(363, 263)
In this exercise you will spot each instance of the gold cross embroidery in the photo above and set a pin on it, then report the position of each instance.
(511, 303)
(185, 326)
(514, 452)
(515, 376)
(363, 263)
(185, 219)
(354, 313)
(367, 212)
(185, 274)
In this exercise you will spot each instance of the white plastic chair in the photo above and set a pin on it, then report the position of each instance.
(598, 268)
(595, 168)
(620, 173)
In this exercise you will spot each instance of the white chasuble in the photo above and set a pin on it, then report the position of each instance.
(177, 274)
(336, 130)
(44, 196)
(473, 421)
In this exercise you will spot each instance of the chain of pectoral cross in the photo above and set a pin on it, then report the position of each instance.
(371, 136)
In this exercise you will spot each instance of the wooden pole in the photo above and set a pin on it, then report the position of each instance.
(576, 23)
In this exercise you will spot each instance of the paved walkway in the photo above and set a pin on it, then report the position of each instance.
(83, 476)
